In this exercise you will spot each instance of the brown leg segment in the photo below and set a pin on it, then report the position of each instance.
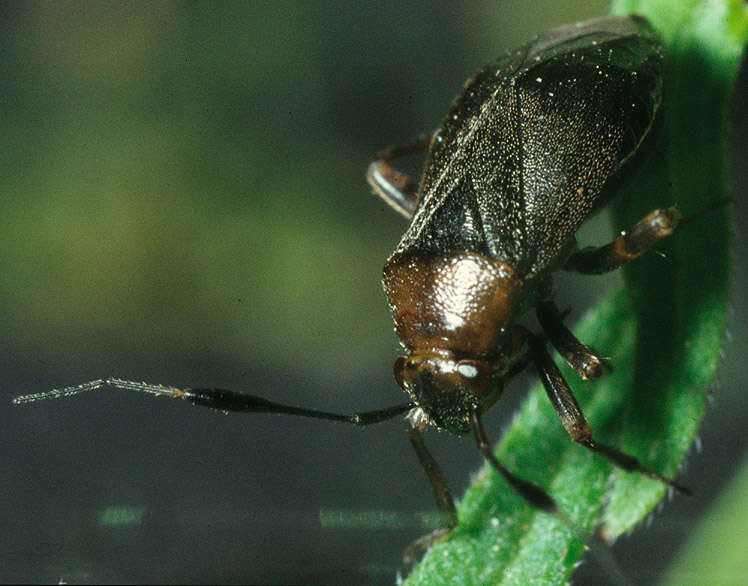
(573, 420)
(584, 360)
(444, 501)
(442, 494)
(647, 232)
(393, 186)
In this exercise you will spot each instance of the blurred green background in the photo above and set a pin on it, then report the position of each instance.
(183, 201)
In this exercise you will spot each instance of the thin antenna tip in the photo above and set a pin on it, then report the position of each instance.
(21, 399)
(93, 385)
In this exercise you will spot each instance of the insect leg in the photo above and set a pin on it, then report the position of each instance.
(584, 360)
(573, 420)
(393, 186)
(532, 493)
(647, 232)
(540, 499)
(222, 400)
(442, 494)
(444, 502)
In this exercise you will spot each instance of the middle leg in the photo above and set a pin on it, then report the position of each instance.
(585, 360)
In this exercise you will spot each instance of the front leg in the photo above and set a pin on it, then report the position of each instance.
(444, 502)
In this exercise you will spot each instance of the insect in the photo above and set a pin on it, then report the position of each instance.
(528, 151)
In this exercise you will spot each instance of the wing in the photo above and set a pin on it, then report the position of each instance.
(586, 103)
(524, 153)
(481, 124)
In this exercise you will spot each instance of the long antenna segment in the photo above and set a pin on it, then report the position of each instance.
(99, 383)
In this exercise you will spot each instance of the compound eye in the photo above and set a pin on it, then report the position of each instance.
(399, 370)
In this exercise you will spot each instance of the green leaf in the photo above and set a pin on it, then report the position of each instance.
(663, 329)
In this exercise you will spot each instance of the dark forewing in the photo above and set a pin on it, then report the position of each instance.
(524, 152)
(585, 106)
(476, 147)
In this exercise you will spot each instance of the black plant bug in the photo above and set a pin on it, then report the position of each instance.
(529, 150)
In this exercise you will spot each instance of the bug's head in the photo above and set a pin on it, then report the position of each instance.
(446, 389)
(452, 312)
